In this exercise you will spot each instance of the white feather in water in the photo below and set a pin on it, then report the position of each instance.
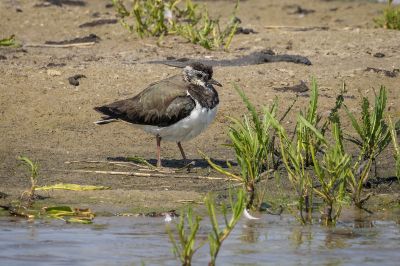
(248, 215)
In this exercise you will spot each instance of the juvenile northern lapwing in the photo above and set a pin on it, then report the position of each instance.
(174, 109)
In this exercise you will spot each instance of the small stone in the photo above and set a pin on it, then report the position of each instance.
(264, 206)
(379, 55)
(53, 72)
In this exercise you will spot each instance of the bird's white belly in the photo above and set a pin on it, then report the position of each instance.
(187, 128)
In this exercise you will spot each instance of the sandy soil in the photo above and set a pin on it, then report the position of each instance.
(45, 118)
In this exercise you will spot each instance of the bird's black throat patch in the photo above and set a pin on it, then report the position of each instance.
(207, 97)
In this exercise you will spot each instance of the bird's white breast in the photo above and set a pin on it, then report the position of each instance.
(187, 128)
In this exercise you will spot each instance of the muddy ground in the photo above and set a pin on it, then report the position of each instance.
(45, 118)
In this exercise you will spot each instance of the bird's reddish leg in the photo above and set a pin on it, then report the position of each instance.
(158, 138)
(181, 149)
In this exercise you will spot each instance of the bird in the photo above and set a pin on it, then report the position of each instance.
(175, 109)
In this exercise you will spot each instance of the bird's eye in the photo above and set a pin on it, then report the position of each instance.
(199, 75)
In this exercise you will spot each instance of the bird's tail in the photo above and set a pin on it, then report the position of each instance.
(108, 118)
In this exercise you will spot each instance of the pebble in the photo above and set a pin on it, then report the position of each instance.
(53, 72)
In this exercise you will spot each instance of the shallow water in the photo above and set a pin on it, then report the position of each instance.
(272, 240)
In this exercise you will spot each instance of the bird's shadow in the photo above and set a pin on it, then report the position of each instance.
(174, 163)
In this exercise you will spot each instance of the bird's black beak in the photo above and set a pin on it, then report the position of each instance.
(214, 82)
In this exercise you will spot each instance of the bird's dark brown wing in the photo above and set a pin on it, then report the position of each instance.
(161, 104)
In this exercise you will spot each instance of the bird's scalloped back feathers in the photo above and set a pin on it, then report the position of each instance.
(203, 68)
(162, 104)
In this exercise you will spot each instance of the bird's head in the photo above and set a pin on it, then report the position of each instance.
(199, 74)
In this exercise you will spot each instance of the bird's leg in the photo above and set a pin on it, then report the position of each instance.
(158, 138)
(187, 165)
(181, 149)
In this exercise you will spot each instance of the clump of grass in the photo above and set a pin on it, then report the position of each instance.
(295, 165)
(148, 15)
(217, 236)
(373, 137)
(333, 173)
(185, 248)
(390, 18)
(300, 153)
(192, 22)
(207, 32)
(311, 116)
(33, 169)
(252, 140)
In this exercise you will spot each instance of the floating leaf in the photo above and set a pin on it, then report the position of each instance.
(79, 220)
(74, 187)
(69, 214)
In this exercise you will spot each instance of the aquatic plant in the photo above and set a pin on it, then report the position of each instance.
(390, 18)
(333, 172)
(329, 175)
(294, 161)
(185, 248)
(316, 166)
(218, 235)
(304, 133)
(252, 140)
(192, 22)
(33, 168)
(373, 137)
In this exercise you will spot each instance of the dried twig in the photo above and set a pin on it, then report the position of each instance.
(296, 28)
(138, 167)
(106, 162)
(189, 201)
(153, 174)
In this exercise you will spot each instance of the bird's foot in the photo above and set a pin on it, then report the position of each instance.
(188, 167)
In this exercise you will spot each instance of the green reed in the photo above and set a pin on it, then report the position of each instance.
(390, 18)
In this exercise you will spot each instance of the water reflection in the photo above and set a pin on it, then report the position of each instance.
(301, 236)
(337, 238)
(250, 231)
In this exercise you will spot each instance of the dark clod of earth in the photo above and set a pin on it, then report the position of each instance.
(391, 74)
(241, 30)
(172, 213)
(298, 88)
(74, 80)
(50, 65)
(89, 38)
(255, 58)
(98, 22)
(379, 55)
(298, 10)
(61, 3)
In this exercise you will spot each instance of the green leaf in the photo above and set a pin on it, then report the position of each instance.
(312, 128)
(10, 41)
